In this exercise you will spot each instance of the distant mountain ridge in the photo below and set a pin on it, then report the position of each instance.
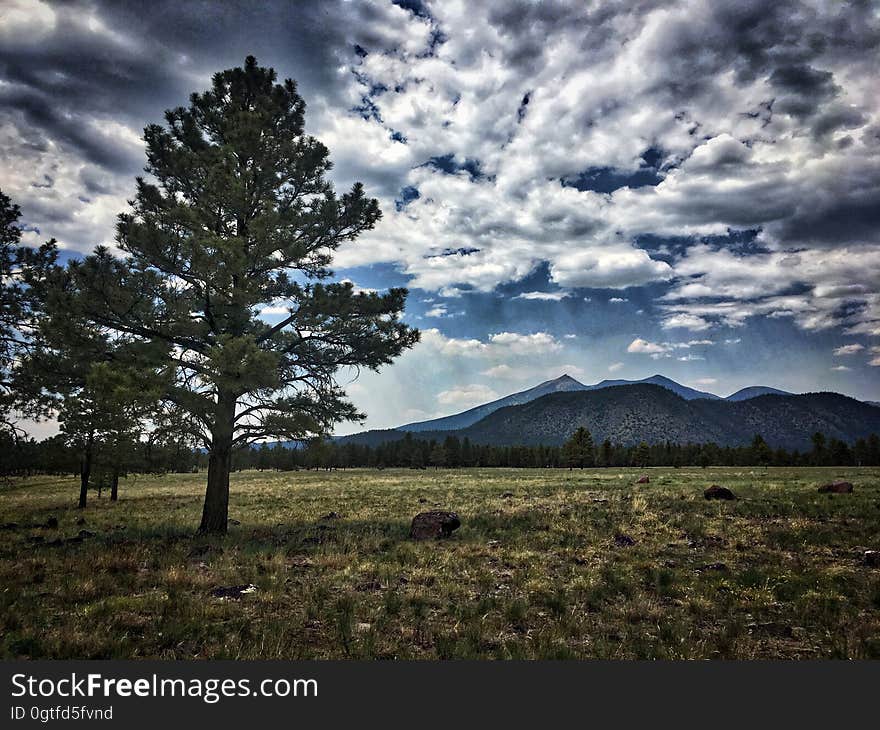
(565, 383)
(629, 414)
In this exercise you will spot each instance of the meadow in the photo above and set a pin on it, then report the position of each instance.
(548, 564)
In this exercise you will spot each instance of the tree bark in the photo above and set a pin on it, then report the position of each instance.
(85, 472)
(215, 513)
(114, 485)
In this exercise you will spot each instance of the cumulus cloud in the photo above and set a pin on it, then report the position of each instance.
(644, 347)
(849, 349)
(546, 296)
(466, 396)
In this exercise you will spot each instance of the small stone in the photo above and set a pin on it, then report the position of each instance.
(233, 593)
(622, 540)
(434, 524)
(331, 516)
(85, 533)
(507, 495)
(872, 558)
(643, 479)
(839, 487)
(80, 521)
(51, 523)
(716, 492)
(234, 523)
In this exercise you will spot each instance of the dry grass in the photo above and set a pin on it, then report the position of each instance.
(777, 574)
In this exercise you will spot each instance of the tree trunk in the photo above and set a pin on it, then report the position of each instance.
(85, 472)
(215, 512)
(114, 485)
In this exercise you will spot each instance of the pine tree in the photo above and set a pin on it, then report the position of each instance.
(578, 450)
(239, 217)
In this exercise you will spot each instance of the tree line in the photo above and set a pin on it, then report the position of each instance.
(56, 456)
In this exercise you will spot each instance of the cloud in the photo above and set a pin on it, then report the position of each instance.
(437, 311)
(466, 396)
(617, 300)
(849, 349)
(705, 381)
(644, 347)
(686, 321)
(548, 296)
(615, 366)
(538, 343)
(841, 368)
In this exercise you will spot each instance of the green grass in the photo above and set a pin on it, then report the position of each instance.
(536, 575)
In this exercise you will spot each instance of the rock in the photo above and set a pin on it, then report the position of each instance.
(643, 479)
(713, 566)
(51, 523)
(872, 558)
(85, 533)
(434, 524)
(9, 526)
(837, 488)
(80, 521)
(506, 495)
(422, 500)
(716, 492)
(234, 523)
(622, 540)
(233, 592)
(331, 516)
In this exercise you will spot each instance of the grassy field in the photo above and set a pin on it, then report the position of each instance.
(546, 573)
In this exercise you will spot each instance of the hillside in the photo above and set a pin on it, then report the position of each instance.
(633, 413)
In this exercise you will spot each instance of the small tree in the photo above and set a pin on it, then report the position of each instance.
(438, 456)
(19, 267)
(239, 217)
(578, 450)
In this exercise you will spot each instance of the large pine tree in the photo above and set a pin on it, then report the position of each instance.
(238, 216)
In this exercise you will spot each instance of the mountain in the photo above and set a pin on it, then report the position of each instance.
(648, 412)
(664, 382)
(563, 383)
(754, 391)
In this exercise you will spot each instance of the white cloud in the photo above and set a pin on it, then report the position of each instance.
(615, 366)
(841, 368)
(618, 300)
(466, 396)
(686, 321)
(644, 347)
(705, 381)
(537, 343)
(437, 311)
(548, 296)
(848, 349)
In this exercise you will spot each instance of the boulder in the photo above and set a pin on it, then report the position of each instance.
(622, 540)
(434, 524)
(837, 488)
(643, 479)
(716, 492)
(872, 558)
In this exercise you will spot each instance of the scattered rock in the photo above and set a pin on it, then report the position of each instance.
(85, 533)
(363, 627)
(234, 523)
(713, 566)
(643, 479)
(233, 593)
(76, 539)
(837, 488)
(80, 521)
(331, 516)
(580, 561)
(716, 492)
(434, 524)
(622, 540)
(51, 523)
(872, 558)
(422, 500)
(506, 495)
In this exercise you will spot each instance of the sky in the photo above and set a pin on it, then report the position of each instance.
(604, 189)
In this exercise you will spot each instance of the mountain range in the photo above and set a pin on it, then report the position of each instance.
(654, 409)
